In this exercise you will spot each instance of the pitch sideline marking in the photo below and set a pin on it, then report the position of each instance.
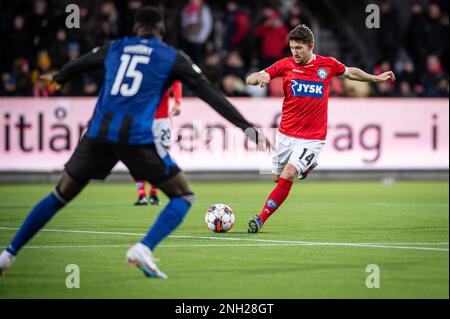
(161, 245)
(298, 243)
(437, 205)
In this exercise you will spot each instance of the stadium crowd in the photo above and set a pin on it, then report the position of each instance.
(227, 39)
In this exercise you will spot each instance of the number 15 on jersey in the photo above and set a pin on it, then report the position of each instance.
(127, 69)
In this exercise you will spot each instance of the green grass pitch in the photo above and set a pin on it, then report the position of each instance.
(317, 245)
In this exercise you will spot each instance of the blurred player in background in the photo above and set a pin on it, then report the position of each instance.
(162, 133)
(303, 128)
(138, 71)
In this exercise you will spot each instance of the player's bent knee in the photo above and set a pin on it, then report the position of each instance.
(176, 186)
(290, 172)
(188, 197)
(57, 194)
(67, 188)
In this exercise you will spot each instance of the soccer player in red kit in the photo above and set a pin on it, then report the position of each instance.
(162, 133)
(303, 128)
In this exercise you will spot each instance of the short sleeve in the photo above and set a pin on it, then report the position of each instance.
(276, 69)
(338, 68)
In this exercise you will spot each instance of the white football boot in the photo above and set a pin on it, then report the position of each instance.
(141, 257)
(6, 261)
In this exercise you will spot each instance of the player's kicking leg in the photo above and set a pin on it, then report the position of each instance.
(275, 199)
(142, 196)
(65, 191)
(301, 158)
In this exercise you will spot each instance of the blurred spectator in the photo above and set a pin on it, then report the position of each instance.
(405, 89)
(233, 86)
(409, 76)
(21, 71)
(89, 32)
(109, 22)
(41, 27)
(19, 40)
(128, 19)
(296, 17)
(235, 65)
(383, 89)
(237, 26)
(212, 67)
(90, 87)
(9, 85)
(388, 41)
(414, 36)
(445, 35)
(196, 23)
(433, 30)
(442, 87)
(435, 79)
(40, 88)
(75, 86)
(272, 32)
(73, 50)
(43, 65)
(59, 49)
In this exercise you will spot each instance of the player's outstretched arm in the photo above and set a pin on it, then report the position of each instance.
(91, 60)
(190, 74)
(356, 74)
(258, 78)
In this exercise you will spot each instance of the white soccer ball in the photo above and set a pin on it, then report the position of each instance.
(219, 218)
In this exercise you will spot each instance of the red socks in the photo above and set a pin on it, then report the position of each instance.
(153, 190)
(276, 198)
(140, 184)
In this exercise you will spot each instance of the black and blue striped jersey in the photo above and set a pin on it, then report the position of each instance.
(137, 73)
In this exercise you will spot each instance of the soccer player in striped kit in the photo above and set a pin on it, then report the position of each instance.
(138, 71)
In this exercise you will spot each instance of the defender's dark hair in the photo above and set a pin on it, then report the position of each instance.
(148, 17)
(301, 33)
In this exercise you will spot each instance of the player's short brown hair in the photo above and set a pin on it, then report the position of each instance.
(301, 33)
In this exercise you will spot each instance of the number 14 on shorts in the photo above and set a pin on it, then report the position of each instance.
(307, 158)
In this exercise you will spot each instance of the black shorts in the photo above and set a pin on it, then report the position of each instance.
(93, 159)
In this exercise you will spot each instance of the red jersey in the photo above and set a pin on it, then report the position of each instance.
(162, 111)
(306, 88)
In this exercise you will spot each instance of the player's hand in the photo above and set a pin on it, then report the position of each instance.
(258, 138)
(386, 76)
(176, 109)
(263, 79)
(49, 77)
